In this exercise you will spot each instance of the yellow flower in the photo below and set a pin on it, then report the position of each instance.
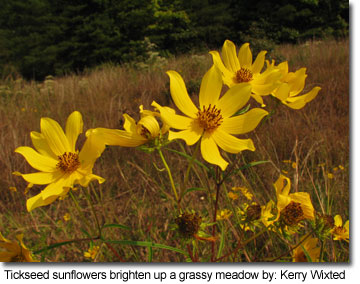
(134, 134)
(14, 251)
(293, 165)
(92, 252)
(241, 68)
(292, 83)
(341, 167)
(244, 192)
(13, 188)
(233, 195)
(213, 120)
(339, 231)
(224, 214)
(67, 217)
(60, 164)
(330, 175)
(292, 207)
(310, 247)
(266, 215)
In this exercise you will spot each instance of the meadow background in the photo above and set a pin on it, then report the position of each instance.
(38, 80)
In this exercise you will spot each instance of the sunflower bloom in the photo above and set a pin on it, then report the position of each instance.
(134, 134)
(241, 68)
(339, 231)
(292, 207)
(14, 251)
(213, 121)
(310, 246)
(292, 84)
(60, 165)
(92, 252)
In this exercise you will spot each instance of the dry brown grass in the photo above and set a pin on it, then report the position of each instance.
(317, 134)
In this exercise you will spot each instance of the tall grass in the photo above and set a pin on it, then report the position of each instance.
(135, 191)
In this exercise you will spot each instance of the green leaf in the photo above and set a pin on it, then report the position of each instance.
(54, 246)
(146, 244)
(243, 110)
(189, 158)
(116, 226)
(222, 242)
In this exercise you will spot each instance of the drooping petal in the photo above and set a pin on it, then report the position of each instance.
(88, 178)
(228, 53)
(231, 143)
(210, 88)
(54, 136)
(259, 62)
(42, 177)
(172, 119)
(41, 144)
(300, 101)
(191, 135)
(210, 152)
(234, 99)
(298, 84)
(180, 95)
(116, 137)
(281, 187)
(49, 194)
(36, 160)
(74, 127)
(245, 56)
(243, 123)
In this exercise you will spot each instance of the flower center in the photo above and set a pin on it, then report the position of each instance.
(144, 132)
(243, 75)
(209, 118)
(339, 230)
(68, 162)
(292, 214)
(189, 224)
(253, 212)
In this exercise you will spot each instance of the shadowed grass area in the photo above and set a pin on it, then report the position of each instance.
(136, 192)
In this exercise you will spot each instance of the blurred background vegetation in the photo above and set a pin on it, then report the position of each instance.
(42, 37)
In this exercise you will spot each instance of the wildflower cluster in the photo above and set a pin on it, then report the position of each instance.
(213, 123)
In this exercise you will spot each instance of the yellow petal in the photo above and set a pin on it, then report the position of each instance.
(227, 75)
(282, 185)
(74, 126)
(298, 84)
(234, 99)
(129, 123)
(191, 136)
(230, 143)
(88, 178)
(180, 95)
(42, 177)
(228, 53)
(259, 62)
(304, 199)
(282, 93)
(36, 160)
(91, 150)
(54, 136)
(172, 119)
(243, 123)
(210, 152)
(300, 101)
(338, 221)
(210, 88)
(41, 144)
(38, 201)
(150, 123)
(116, 137)
(245, 56)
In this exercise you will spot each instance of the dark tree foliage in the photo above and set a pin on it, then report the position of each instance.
(43, 37)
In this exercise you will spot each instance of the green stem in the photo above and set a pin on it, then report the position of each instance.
(170, 175)
(191, 162)
(93, 210)
(78, 208)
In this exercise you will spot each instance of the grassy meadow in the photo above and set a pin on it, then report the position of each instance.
(310, 146)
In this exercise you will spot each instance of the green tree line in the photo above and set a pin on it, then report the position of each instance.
(44, 37)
